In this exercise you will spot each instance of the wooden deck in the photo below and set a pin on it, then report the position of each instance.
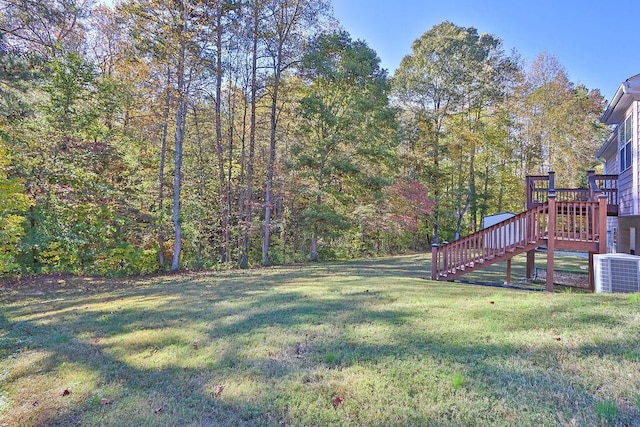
(567, 219)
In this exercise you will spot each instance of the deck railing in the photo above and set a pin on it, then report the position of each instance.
(561, 218)
(516, 233)
(577, 221)
(574, 225)
(539, 186)
(607, 185)
(538, 189)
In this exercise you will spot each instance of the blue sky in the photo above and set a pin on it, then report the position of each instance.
(598, 43)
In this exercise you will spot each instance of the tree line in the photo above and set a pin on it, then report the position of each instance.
(166, 134)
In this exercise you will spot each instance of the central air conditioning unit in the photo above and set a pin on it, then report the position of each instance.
(616, 273)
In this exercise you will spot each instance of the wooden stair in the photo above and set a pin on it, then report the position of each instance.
(575, 225)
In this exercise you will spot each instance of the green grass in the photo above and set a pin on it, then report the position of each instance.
(607, 411)
(565, 265)
(342, 344)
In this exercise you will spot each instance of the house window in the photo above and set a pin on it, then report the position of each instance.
(626, 136)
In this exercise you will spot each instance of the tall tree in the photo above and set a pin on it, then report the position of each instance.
(169, 32)
(451, 78)
(253, 26)
(288, 24)
(559, 122)
(47, 28)
(346, 130)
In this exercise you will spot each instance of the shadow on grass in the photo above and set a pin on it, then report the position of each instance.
(230, 313)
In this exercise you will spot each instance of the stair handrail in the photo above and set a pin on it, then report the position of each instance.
(521, 230)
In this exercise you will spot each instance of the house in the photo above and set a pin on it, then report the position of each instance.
(621, 156)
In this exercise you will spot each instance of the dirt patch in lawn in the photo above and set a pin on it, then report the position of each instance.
(565, 278)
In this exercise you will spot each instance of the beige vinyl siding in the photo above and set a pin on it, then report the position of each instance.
(625, 193)
(610, 155)
(612, 164)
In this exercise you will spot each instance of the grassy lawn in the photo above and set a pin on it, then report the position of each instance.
(357, 343)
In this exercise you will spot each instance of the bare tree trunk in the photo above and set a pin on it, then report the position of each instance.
(163, 154)
(288, 16)
(243, 165)
(243, 261)
(180, 122)
(314, 234)
(181, 113)
(231, 102)
(436, 196)
(224, 255)
(201, 190)
(314, 246)
(272, 160)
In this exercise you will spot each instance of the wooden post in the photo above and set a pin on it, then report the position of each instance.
(602, 223)
(590, 185)
(551, 236)
(599, 227)
(531, 263)
(445, 258)
(434, 261)
(508, 281)
(592, 283)
(552, 182)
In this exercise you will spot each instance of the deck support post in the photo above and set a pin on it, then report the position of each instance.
(591, 184)
(602, 236)
(602, 223)
(434, 261)
(531, 264)
(508, 281)
(592, 283)
(551, 239)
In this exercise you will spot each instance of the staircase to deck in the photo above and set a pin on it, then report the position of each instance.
(577, 225)
(500, 242)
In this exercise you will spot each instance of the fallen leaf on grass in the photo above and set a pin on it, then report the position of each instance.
(194, 345)
(492, 302)
(219, 389)
(337, 401)
(160, 408)
(105, 401)
(558, 339)
(66, 392)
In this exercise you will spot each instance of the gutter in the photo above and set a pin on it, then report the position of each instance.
(624, 89)
(612, 105)
(604, 148)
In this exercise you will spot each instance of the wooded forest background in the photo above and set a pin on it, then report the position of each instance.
(170, 134)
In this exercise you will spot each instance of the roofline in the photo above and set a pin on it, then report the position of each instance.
(625, 88)
(603, 149)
